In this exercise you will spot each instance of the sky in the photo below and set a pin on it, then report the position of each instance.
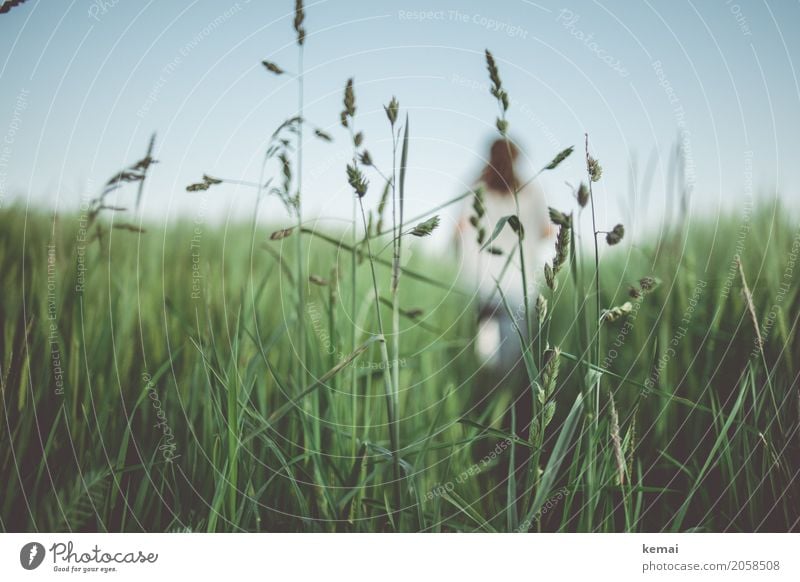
(83, 85)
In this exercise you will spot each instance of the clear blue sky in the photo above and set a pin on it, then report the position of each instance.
(83, 84)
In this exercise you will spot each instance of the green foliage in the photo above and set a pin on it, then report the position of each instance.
(707, 437)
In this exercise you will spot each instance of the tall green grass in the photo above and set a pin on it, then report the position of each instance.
(707, 425)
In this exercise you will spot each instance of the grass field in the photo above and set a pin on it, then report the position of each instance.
(138, 403)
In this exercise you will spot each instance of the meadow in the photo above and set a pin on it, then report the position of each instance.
(250, 378)
(133, 406)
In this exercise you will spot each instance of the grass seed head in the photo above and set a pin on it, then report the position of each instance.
(281, 234)
(616, 313)
(559, 218)
(645, 286)
(552, 359)
(562, 247)
(286, 169)
(502, 126)
(563, 155)
(494, 74)
(564, 222)
(197, 187)
(357, 180)
(497, 92)
(594, 168)
(392, 110)
(427, 227)
(549, 277)
(323, 135)
(617, 442)
(272, 67)
(207, 182)
(541, 308)
(616, 235)
(516, 226)
(349, 99)
(648, 283)
(478, 203)
(583, 195)
(299, 17)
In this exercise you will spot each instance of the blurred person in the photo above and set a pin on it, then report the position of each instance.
(497, 344)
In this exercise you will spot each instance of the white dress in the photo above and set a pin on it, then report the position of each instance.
(480, 269)
(496, 343)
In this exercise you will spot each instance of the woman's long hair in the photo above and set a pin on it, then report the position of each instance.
(499, 174)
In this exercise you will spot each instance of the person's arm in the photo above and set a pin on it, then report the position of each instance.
(539, 216)
(460, 229)
(462, 225)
